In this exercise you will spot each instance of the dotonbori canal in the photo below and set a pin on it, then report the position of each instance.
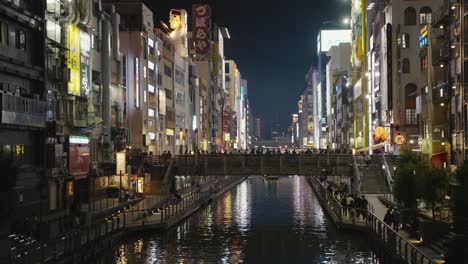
(258, 221)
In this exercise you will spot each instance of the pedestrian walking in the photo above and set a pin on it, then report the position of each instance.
(388, 218)
(343, 205)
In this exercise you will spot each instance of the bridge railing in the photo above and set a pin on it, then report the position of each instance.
(253, 164)
(361, 218)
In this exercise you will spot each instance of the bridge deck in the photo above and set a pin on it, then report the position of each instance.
(246, 165)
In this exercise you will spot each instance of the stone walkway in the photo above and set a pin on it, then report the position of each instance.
(379, 210)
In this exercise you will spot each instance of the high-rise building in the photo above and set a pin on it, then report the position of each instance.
(258, 128)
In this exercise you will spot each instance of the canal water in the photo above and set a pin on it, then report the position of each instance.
(258, 221)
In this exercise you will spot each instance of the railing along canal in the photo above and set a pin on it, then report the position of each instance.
(363, 219)
(131, 218)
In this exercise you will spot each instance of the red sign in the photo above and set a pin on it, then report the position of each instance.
(79, 160)
(201, 27)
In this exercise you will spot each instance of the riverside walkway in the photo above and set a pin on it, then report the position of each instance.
(394, 247)
(152, 213)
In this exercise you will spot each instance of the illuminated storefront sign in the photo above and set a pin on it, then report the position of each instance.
(73, 58)
(227, 137)
(69, 188)
(85, 49)
(169, 132)
(423, 37)
(137, 82)
(201, 23)
(121, 163)
(79, 156)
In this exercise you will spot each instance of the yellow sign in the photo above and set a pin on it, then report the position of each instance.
(73, 58)
(227, 136)
(400, 140)
(69, 188)
(121, 163)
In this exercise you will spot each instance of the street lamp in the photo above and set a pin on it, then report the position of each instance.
(344, 22)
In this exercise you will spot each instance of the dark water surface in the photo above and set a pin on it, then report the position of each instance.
(274, 221)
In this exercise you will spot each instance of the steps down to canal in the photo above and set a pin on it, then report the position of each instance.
(373, 179)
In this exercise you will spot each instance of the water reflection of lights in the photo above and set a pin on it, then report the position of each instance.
(138, 246)
(242, 206)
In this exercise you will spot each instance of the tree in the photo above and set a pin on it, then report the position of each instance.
(405, 186)
(434, 187)
(411, 168)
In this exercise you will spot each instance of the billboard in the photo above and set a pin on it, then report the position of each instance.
(85, 49)
(201, 27)
(79, 157)
(329, 38)
(73, 58)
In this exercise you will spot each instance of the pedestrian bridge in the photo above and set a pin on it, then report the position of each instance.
(253, 164)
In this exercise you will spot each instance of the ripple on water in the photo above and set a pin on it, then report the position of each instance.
(258, 221)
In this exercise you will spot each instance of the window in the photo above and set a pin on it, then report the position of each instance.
(405, 65)
(227, 67)
(150, 65)
(411, 117)
(21, 39)
(410, 16)
(179, 77)
(159, 79)
(168, 94)
(151, 88)
(4, 33)
(180, 98)
(167, 70)
(405, 41)
(425, 16)
(151, 112)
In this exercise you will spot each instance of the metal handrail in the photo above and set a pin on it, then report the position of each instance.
(379, 228)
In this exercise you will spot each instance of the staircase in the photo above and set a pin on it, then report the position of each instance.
(440, 246)
(373, 179)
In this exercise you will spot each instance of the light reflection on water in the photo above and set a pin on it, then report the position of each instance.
(275, 221)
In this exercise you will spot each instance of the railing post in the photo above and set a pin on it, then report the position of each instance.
(300, 164)
(225, 165)
(281, 164)
(262, 165)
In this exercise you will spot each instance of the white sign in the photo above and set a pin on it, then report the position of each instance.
(329, 38)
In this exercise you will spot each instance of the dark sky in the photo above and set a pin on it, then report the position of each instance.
(272, 42)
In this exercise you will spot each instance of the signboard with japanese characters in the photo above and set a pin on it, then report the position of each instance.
(201, 27)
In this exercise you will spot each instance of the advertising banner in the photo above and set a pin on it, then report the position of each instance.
(201, 23)
(85, 49)
(73, 58)
(79, 160)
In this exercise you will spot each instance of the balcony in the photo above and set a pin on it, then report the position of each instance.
(17, 110)
(441, 53)
(442, 15)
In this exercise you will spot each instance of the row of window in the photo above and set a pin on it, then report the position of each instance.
(410, 16)
(8, 34)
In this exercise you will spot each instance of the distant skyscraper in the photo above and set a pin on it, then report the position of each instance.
(258, 128)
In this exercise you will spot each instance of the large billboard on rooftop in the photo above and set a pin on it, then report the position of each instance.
(328, 38)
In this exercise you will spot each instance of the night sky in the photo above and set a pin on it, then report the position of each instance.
(272, 42)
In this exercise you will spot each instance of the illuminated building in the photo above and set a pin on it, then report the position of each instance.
(258, 128)
(25, 111)
(337, 72)
(310, 121)
(325, 40)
